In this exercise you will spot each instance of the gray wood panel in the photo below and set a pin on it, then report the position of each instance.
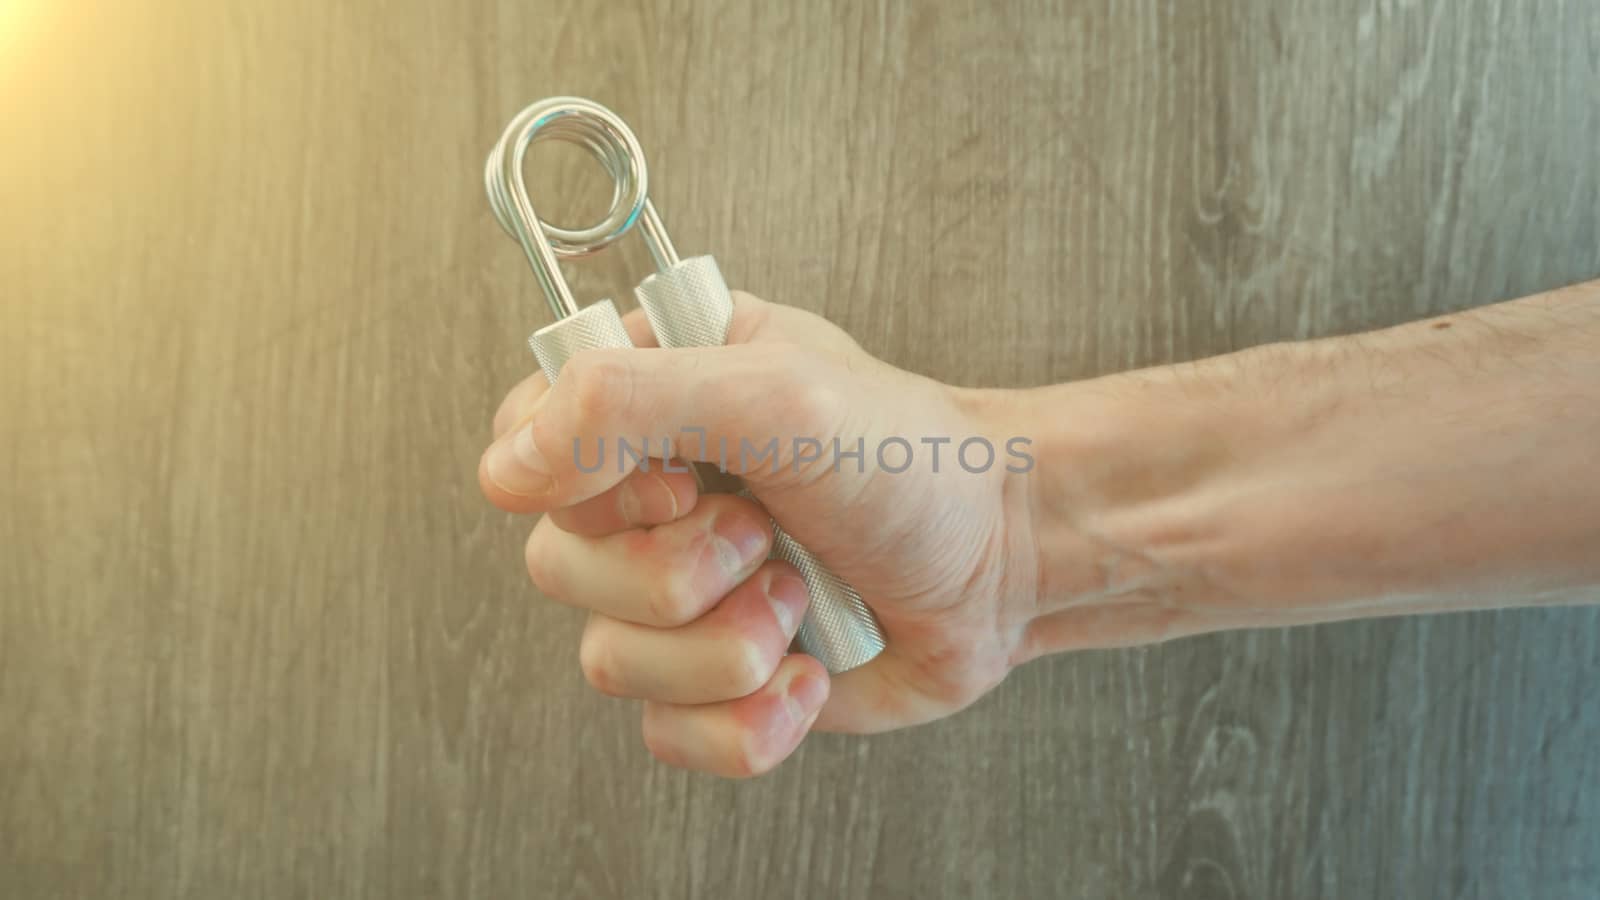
(260, 636)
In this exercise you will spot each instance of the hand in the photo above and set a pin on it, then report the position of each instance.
(1282, 485)
(686, 612)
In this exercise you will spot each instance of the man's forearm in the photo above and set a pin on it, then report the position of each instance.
(1443, 464)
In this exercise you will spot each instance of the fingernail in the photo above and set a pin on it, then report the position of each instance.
(671, 495)
(739, 543)
(647, 499)
(516, 466)
(788, 597)
(629, 506)
(805, 696)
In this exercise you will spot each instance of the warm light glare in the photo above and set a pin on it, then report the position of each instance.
(20, 21)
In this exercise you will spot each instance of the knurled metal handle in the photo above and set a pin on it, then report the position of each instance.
(689, 306)
(593, 327)
(838, 628)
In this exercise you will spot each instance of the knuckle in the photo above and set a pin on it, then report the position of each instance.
(671, 601)
(654, 745)
(815, 405)
(672, 557)
(656, 742)
(749, 665)
(595, 660)
(750, 759)
(537, 557)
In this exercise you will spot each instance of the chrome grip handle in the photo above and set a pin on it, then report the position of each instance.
(838, 628)
(594, 327)
(689, 305)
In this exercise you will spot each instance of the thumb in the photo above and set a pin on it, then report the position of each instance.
(764, 410)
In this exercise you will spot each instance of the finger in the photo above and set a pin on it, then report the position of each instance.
(639, 331)
(664, 576)
(744, 737)
(728, 653)
(697, 404)
(653, 496)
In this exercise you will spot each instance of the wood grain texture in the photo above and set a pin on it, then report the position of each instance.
(260, 636)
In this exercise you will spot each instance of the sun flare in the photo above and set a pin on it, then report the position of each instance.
(20, 22)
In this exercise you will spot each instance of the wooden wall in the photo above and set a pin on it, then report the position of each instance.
(261, 637)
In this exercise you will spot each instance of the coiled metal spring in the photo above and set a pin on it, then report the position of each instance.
(606, 137)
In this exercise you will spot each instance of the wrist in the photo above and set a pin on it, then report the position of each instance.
(1152, 491)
